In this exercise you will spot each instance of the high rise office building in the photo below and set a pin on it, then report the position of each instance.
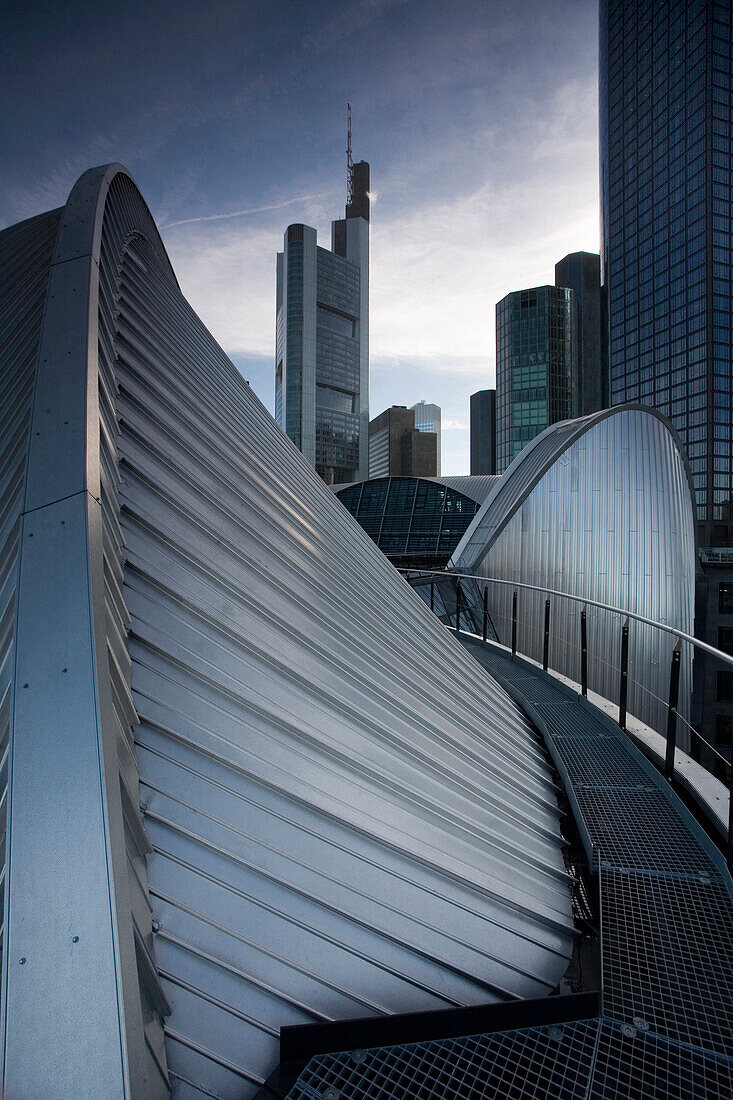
(665, 117)
(427, 419)
(534, 366)
(483, 432)
(398, 448)
(581, 271)
(322, 340)
(665, 139)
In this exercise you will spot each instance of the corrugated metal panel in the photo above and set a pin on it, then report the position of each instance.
(78, 916)
(328, 839)
(25, 258)
(475, 486)
(510, 488)
(610, 518)
(347, 815)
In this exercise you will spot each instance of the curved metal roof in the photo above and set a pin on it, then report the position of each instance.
(527, 469)
(475, 486)
(342, 813)
(600, 508)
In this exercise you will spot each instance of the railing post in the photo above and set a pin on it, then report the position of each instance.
(546, 640)
(486, 609)
(514, 622)
(674, 692)
(730, 822)
(458, 607)
(432, 594)
(583, 654)
(624, 684)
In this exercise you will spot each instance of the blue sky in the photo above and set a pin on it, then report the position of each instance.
(479, 120)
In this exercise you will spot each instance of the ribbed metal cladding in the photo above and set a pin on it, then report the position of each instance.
(25, 257)
(476, 486)
(599, 508)
(342, 813)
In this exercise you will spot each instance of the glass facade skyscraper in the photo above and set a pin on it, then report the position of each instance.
(581, 271)
(665, 117)
(322, 341)
(427, 419)
(666, 167)
(483, 432)
(534, 366)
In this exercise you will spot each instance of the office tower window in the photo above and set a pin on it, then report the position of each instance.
(322, 341)
(665, 119)
(534, 361)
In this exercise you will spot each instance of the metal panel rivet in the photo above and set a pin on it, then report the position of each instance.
(64, 670)
(555, 1033)
(25, 685)
(156, 926)
(331, 1094)
(22, 961)
(358, 1055)
(628, 1030)
(641, 1023)
(74, 939)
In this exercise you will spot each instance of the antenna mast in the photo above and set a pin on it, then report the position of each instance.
(349, 160)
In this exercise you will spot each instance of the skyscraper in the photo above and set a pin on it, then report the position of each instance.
(534, 366)
(581, 271)
(665, 117)
(427, 419)
(483, 432)
(398, 448)
(665, 139)
(322, 340)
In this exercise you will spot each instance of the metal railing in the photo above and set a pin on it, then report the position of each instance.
(474, 615)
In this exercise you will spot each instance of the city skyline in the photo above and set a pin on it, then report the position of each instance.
(483, 153)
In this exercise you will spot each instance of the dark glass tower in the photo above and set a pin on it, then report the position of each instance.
(534, 366)
(581, 271)
(665, 117)
(483, 432)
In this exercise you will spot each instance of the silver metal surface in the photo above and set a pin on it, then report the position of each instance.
(342, 813)
(475, 486)
(598, 508)
(76, 910)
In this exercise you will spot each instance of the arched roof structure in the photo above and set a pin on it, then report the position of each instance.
(251, 780)
(600, 508)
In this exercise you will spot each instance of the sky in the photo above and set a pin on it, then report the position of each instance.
(478, 118)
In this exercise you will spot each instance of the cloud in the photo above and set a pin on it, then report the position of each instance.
(438, 267)
(451, 425)
(245, 213)
(229, 279)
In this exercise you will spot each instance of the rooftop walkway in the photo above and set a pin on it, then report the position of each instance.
(663, 1024)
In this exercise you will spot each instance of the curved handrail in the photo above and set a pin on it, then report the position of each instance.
(727, 658)
(669, 763)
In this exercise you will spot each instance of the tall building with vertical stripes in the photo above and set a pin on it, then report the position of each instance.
(322, 341)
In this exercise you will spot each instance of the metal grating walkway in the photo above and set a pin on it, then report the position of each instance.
(667, 945)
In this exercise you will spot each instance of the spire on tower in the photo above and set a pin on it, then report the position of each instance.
(349, 160)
